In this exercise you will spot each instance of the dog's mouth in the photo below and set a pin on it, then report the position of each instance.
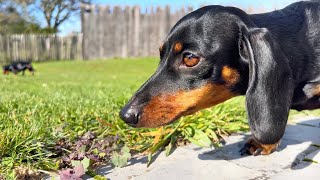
(152, 120)
(141, 125)
(166, 108)
(157, 114)
(162, 122)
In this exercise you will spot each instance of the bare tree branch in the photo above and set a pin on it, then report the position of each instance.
(58, 11)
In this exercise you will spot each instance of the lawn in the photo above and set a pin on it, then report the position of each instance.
(44, 117)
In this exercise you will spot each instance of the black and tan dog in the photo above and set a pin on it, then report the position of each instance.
(216, 53)
(18, 66)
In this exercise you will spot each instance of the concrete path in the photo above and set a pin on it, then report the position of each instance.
(292, 161)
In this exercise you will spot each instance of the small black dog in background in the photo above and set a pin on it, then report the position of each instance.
(18, 66)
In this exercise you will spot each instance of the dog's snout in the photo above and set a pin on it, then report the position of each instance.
(130, 115)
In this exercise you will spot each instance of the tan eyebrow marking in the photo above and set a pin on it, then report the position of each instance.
(161, 47)
(178, 47)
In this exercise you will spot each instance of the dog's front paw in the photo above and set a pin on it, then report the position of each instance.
(255, 148)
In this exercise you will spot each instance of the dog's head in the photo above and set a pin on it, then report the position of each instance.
(204, 61)
(6, 69)
(30, 68)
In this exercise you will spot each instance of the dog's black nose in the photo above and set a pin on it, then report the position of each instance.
(130, 115)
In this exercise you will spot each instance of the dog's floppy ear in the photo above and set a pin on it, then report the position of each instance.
(270, 87)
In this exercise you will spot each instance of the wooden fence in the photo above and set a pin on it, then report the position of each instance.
(106, 32)
(125, 31)
(40, 47)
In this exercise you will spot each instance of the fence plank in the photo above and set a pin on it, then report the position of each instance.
(39, 47)
(126, 31)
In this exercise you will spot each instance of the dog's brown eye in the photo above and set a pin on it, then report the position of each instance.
(190, 59)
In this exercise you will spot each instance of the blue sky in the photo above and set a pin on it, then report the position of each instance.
(74, 23)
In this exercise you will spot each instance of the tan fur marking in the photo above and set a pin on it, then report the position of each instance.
(316, 90)
(266, 148)
(163, 109)
(178, 47)
(230, 75)
(161, 47)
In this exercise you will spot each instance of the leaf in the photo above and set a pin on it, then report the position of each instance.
(170, 145)
(86, 163)
(200, 138)
(7, 161)
(125, 149)
(212, 134)
(157, 139)
(75, 163)
(156, 133)
(154, 148)
(189, 131)
(121, 160)
(99, 177)
(149, 159)
(117, 161)
(168, 149)
(83, 163)
(82, 148)
(95, 151)
(101, 155)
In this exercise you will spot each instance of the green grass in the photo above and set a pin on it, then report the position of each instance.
(63, 99)
(67, 99)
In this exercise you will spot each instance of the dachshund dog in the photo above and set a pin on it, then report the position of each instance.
(17, 67)
(216, 53)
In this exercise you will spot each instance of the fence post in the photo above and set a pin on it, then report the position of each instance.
(101, 40)
(136, 32)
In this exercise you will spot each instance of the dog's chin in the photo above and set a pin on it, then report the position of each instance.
(151, 123)
(154, 123)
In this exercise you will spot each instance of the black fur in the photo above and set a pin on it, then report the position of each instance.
(18, 66)
(277, 55)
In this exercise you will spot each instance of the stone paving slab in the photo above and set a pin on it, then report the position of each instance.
(308, 171)
(191, 162)
(184, 164)
(302, 133)
(313, 121)
(289, 155)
